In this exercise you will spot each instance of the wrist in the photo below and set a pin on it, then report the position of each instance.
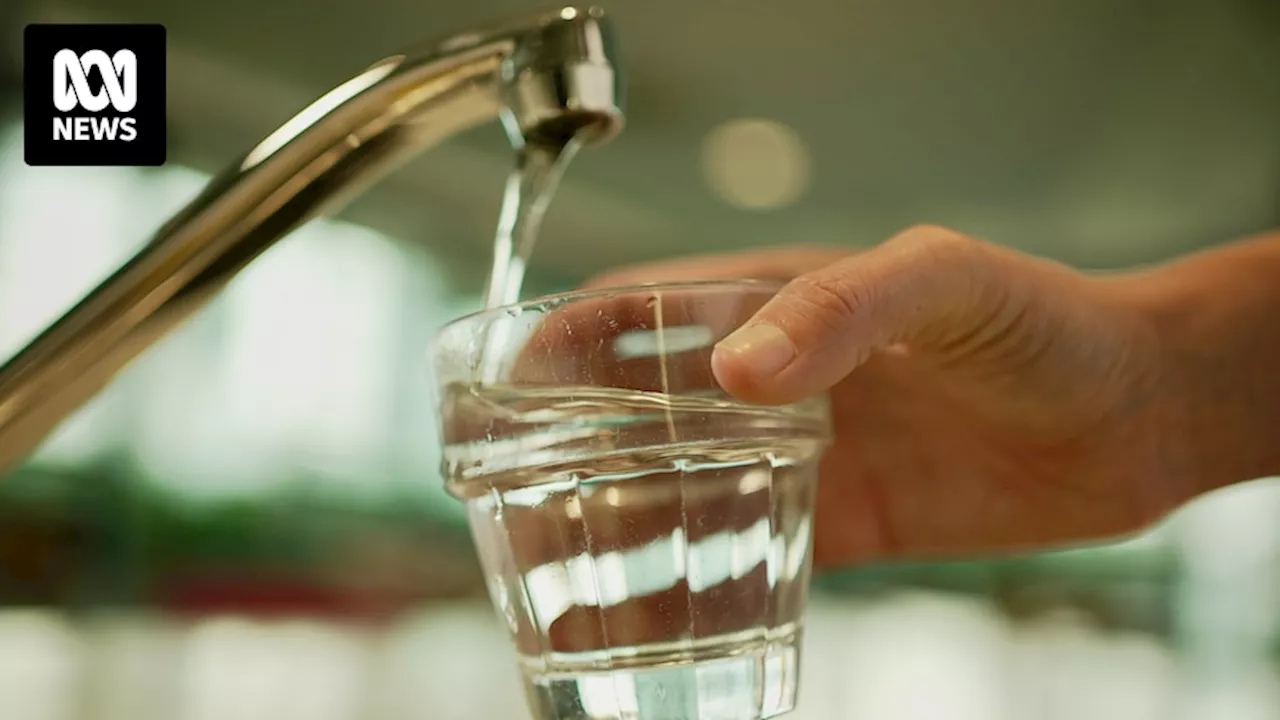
(1217, 376)
(1156, 401)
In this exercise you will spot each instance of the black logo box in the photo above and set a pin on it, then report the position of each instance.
(150, 144)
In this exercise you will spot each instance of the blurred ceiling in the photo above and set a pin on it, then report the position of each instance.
(1095, 131)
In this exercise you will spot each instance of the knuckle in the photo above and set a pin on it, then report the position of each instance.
(957, 277)
(937, 242)
(962, 261)
(925, 231)
(834, 296)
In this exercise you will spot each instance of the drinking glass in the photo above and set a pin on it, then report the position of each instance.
(645, 537)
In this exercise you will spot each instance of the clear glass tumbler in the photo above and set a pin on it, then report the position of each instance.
(646, 538)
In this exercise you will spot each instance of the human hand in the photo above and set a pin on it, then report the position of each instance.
(983, 400)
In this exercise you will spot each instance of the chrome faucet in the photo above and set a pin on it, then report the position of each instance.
(549, 77)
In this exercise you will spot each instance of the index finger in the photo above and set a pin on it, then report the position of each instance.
(782, 263)
(599, 322)
(648, 339)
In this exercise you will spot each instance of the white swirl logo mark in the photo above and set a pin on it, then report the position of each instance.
(71, 80)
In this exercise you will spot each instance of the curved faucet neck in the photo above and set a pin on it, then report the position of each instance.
(546, 74)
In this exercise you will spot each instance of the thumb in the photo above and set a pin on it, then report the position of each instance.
(927, 285)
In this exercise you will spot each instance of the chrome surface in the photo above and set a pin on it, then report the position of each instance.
(547, 77)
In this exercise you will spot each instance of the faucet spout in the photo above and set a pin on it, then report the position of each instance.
(548, 77)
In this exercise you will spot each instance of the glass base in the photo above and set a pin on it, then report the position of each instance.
(752, 684)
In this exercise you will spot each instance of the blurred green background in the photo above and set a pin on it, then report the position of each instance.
(249, 522)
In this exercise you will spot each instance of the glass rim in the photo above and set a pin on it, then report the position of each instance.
(614, 291)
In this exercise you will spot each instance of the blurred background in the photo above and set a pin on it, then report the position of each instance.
(248, 523)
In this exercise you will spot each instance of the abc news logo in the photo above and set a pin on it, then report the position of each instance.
(95, 95)
(71, 90)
